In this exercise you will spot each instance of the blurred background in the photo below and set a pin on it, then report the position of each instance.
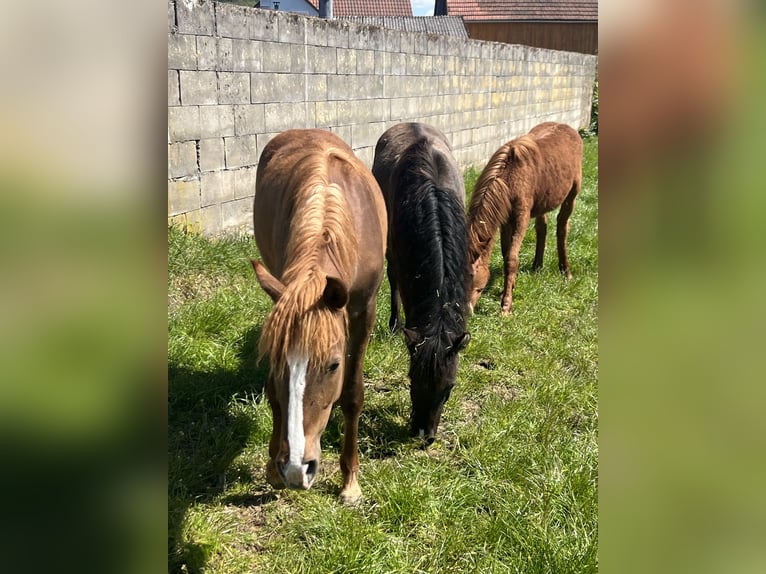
(682, 317)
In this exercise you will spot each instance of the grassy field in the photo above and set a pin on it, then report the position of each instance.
(510, 485)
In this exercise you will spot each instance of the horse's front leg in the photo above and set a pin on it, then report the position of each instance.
(352, 400)
(394, 322)
(511, 236)
(272, 476)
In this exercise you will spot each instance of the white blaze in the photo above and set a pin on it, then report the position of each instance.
(296, 439)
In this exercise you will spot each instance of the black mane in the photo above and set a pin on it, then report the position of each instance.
(431, 230)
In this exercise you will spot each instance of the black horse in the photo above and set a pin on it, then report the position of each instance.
(428, 266)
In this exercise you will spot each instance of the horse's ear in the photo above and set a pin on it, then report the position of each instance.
(461, 342)
(412, 337)
(335, 293)
(474, 267)
(269, 283)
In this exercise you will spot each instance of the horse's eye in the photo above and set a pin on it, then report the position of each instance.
(332, 367)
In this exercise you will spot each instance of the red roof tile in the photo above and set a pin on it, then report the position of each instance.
(480, 10)
(368, 7)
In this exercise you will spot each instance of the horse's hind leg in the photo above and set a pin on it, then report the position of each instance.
(562, 229)
(541, 230)
(394, 322)
(511, 236)
(352, 400)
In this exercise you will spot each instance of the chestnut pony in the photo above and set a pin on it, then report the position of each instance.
(320, 226)
(527, 177)
(427, 261)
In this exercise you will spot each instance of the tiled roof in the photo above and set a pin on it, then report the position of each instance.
(444, 25)
(480, 10)
(368, 7)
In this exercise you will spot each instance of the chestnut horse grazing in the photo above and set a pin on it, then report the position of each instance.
(427, 261)
(320, 226)
(527, 177)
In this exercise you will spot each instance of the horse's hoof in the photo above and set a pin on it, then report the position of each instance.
(351, 495)
(505, 311)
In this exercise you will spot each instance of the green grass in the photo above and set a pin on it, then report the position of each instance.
(509, 486)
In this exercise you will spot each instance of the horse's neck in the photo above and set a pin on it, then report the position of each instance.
(481, 235)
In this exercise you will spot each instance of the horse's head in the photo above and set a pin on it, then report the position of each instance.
(306, 378)
(433, 372)
(479, 280)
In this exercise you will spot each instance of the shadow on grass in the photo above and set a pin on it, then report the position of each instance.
(204, 437)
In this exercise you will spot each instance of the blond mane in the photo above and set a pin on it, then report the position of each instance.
(322, 237)
(491, 200)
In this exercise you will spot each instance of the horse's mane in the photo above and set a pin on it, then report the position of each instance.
(492, 196)
(431, 220)
(322, 235)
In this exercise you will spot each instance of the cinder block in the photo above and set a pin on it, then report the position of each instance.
(297, 58)
(262, 139)
(237, 216)
(232, 21)
(198, 88)
(433, 45)
(420, 44)
(366, 154)
(398, 64)
(182, 159)
(343, 132)
(363, 111)
(172, 17)
(291, 27)
(183, 123)
(264, 26)
(375, 39)
(233, 88)
(248, 119)
(382, 63)
(346, 60)
(366, 134)
(354, 86)
(392, 40)
(216, 187)
(325, 114)
(182, 52)
(316, 88)
(275, 57)
(174, 93)
(280, 117)
(225, 54)
(245, 56)
(337, 33)
(207, 52)
(216, 121)
(274, 88)
(195, 17)
(244, 183)
(365, 62)
(211, 154)
(321, 60)
(316, 32)
(183, 196)
(206, 220)
(240, 151)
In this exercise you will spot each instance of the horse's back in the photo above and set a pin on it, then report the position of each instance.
(560, 164)
(285, 164)
(390, 153)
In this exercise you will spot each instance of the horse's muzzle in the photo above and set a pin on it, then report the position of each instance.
(299, 477)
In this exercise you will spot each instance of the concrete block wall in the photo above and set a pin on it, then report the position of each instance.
(238, 76)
